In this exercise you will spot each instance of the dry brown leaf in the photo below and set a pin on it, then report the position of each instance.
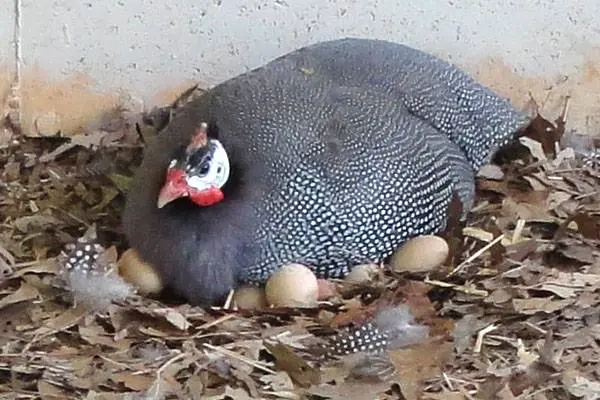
(250, 349)
(244, 378)
(586, 300)
(45, 158)
(418, 363)
(499, 296)
(43, 267)
(64, 321)
(555, 199)
(539, 304)
(588, 225)
(499, 187)
(521, 250)
(90, 140)
(25, 292)
(83, 365)
(177, 320)
(152, 332)
(93, 395)
(281, 381)
(478, 234)
(7, 261)
(535, 148)
(170, 315)
(93, 336)
(464, 331)
(564, 292)
(505, 393)
(227, 393)
(37, 222)
(581, 253)
(580, 386)
(535, 184)
(575, 279)
(526, 211)
(174, 368)
(137, 382)
(162, 389)
(565, 155)
(121, 182)
(545, 133)
(581, 339)
(526, 357)
(108, 195)
(49, 391)
(350, 389)
(298, 369)
(445, 396)
(595, 331)
(194, 387)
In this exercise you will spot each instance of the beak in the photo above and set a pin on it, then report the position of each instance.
(174, 188)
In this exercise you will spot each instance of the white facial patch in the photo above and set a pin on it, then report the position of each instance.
(218, 173)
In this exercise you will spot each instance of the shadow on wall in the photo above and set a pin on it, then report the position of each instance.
(69, 104)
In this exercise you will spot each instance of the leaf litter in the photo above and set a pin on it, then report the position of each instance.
(513, 314)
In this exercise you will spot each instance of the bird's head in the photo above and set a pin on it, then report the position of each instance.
(198, 170)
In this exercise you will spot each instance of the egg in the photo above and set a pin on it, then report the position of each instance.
(139, 273)
(420, 254)
(250, 298)
(293, 285)
(362, 273)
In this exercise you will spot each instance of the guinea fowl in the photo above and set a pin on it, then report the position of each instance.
(330, 156)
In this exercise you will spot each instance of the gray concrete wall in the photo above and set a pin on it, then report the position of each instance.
(82, 57)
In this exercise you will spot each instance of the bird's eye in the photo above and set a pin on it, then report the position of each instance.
(204, 169)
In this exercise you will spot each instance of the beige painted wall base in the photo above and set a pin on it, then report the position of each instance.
(81, 58)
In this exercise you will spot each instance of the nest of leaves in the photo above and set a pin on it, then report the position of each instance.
(514, 313)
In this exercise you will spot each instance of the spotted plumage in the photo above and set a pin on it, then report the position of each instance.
(83, 258)
(338, 153)
(390, 328)
(591, 158)
(366, 338)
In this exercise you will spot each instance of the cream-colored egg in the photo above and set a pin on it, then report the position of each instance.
(420, 254)
(362, 273)
(250, 298)
(139, 273)
(293, 285)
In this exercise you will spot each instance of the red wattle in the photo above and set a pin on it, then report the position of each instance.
(207, 197)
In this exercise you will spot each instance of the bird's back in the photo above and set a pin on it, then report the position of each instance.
(294, 85)
(347, 148)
